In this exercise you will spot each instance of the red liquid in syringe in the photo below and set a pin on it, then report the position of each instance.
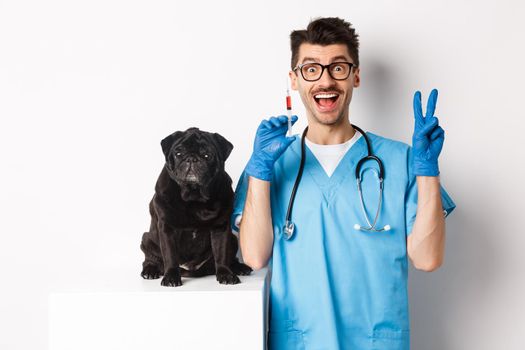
(289, 111)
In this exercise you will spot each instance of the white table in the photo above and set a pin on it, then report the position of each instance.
(124, 311)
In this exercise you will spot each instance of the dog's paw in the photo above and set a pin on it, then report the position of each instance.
(171, 279)
(241, 269)
(151, 272)
(225, 276)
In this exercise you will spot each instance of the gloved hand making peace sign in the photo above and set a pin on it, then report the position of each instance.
(270, 142)
(428, 137)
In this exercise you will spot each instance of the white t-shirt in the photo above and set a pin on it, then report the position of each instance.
(330, 155)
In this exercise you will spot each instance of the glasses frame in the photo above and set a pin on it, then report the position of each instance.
(323, 67)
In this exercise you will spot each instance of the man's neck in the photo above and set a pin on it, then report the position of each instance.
(330, 134)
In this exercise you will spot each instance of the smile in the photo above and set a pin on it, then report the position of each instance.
(326, 102)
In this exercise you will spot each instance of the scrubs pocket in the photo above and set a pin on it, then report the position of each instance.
(292, 340)
(391, 340)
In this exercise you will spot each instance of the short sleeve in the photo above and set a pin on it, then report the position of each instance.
(411, 200)
(239, 200)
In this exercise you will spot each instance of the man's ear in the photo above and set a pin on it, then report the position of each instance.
(168, 141)
(225, 147)
(357, 78)
(293, 80)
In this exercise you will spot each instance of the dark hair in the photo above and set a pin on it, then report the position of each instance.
(326, 31)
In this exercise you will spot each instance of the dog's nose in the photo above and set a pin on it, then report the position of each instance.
(191, 159)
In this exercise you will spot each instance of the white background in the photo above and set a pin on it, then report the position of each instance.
(89, 88)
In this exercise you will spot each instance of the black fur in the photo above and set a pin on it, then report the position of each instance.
(190, 232)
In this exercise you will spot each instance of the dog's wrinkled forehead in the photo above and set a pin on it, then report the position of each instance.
(194, 140)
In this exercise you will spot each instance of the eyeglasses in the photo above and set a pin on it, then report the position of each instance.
(314, 71)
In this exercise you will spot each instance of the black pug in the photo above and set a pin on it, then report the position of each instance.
(190, 233)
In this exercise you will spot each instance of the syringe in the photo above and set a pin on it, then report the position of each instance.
(289, 109)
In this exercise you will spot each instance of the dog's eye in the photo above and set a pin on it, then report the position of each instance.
(178, 154)
(206, 156)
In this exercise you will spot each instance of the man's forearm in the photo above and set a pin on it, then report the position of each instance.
(255, 231)
(426, 243)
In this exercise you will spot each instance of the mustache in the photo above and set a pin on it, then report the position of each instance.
(328, 89)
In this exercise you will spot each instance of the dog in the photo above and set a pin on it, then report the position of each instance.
(190, 233)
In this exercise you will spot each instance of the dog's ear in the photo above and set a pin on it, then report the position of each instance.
(168, 141)
(225, 147)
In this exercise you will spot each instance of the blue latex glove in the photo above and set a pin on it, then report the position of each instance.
(270, 142)
(428, 137)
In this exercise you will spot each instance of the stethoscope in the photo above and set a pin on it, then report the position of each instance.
(289, 226)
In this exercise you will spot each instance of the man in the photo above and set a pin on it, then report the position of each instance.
(336, 282)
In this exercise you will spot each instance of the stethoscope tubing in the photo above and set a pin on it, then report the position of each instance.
(289, 226)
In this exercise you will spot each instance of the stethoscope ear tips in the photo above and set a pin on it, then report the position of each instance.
(357, 227)
(387, 228)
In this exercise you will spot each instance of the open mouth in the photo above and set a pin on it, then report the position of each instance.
(326, 101)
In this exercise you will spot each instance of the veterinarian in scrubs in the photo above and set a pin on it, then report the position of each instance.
(333, 286)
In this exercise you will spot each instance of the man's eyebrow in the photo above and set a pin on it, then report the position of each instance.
(309, 59)
(334, 59)
(338, 58)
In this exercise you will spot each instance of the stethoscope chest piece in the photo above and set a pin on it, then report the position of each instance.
(288, 230)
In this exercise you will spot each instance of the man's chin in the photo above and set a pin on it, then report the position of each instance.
(328, 119)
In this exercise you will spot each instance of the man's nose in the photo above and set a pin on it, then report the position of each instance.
(326, 79)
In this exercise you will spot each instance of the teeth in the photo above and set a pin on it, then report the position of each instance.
(325, 95)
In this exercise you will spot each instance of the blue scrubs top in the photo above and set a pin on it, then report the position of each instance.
(334, 287)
